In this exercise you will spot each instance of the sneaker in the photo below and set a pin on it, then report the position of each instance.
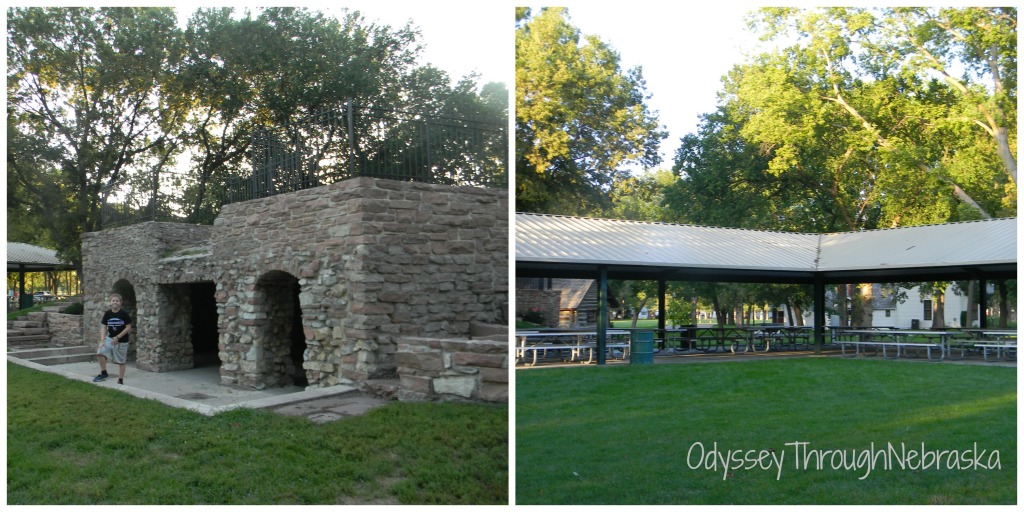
(120, 381)
(101, 377)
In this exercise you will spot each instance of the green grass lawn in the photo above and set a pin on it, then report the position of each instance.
(637, 434)
(70, 442)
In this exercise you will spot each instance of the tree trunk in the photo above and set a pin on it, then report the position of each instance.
(1004, 307)
(972, 304)
(866, 304)
(797, 318)
(939, 309)
(841, 298)
(719, 314)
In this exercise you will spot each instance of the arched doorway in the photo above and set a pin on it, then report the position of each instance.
(281, 335)
(130, 304)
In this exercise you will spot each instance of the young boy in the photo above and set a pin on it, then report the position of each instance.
(114, 339)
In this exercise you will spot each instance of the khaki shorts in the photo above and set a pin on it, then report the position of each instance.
(116, 353)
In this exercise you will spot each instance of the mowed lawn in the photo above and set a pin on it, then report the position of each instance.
(71, 442)
(793, 431)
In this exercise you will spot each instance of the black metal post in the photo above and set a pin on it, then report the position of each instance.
(351, 138)
(602, 314)
(430, 166)
(983, 302)
(819, 313)
(662, 291)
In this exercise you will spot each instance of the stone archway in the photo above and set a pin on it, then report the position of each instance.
(129, 303)
(278, 338)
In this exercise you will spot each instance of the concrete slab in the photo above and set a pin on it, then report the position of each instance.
(199, 389)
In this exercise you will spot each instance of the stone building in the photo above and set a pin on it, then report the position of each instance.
(317, 287)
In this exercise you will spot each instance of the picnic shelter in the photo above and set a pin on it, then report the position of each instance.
(603, 249)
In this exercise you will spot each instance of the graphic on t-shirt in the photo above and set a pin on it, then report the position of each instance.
(115, 322)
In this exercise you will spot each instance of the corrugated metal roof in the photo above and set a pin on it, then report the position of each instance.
(550, 238)
(25, 253)
(982, 242)
(575, 240)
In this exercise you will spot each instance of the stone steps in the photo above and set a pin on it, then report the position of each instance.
(24, 324)
(20, 340)
(56, 355)
(28, 332)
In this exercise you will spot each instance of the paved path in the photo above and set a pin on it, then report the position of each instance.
(199, 389)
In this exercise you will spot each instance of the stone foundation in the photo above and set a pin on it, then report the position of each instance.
(66, 330)
(453, 369)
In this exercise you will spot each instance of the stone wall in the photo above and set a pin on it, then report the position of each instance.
(135, 261)
(66, 330)
(314, 286)
(548, 301)
(453, 369)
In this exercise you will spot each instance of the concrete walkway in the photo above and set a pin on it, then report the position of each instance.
(199, 390)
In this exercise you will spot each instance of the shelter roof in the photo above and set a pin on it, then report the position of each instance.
(576, 247)
(31, 258)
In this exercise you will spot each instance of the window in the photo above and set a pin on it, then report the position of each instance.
(927, 309)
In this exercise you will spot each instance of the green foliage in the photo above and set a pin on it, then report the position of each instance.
(848, 127)
(76, 308)
(580, 118)
(534, 316)
(76, 443)
(102, 99)
(83, 109)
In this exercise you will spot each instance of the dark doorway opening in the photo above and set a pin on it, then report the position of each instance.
(298, 341)
(205, 338)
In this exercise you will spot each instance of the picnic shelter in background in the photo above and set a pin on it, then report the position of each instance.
(603, 249)
(24, 258)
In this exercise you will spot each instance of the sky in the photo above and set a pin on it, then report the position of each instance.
(458, 36)
(684, 48)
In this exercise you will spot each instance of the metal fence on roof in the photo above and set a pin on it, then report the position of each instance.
(321, 149)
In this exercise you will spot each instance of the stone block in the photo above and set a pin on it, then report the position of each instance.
(480, 360)
(415, 383)
(494, 375)
(422, 361)
(493, 392)
(458, 385)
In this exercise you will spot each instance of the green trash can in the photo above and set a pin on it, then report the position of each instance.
(641, 347)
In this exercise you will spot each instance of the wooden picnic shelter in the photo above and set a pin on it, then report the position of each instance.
(603, 249)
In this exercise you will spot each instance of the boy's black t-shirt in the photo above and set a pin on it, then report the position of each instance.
(116, 322)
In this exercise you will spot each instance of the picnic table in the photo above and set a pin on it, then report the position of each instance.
(752, 338)
(572, 345)
(1003, 342)
(895, 339)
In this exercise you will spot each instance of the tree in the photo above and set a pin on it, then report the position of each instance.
(859, 123)
(634, 296)
(580, 119)
(102, 103)
(640, 197)
(84, 109)
(882, 81)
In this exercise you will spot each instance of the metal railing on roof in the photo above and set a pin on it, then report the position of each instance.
(321, 149)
